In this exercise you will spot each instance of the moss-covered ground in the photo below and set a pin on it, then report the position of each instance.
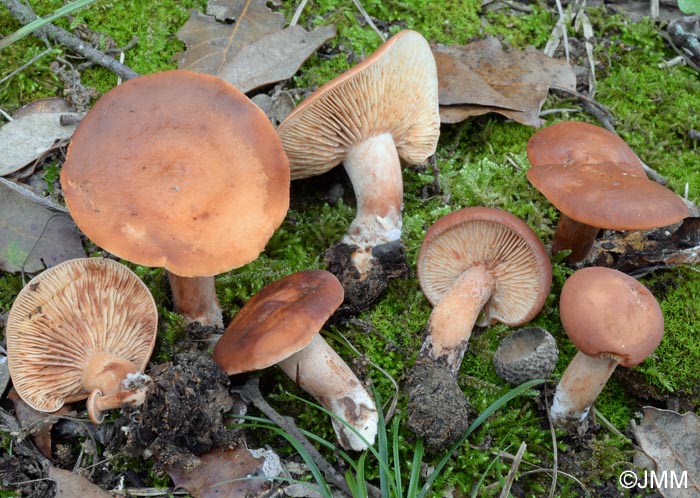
(480, 162)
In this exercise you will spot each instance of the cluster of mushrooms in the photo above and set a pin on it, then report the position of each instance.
(182, 171)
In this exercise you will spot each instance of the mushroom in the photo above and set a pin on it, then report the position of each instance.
(383, 110)
(596, 181)
(478, 266)
(84, 328)
(280, 325)
(613, 320)
(180, 170)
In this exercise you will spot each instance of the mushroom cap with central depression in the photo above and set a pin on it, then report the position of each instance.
(179, 170)
(501, 243)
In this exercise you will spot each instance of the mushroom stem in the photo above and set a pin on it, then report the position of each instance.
(573, 235)
(453, 318)
(582, 382)
(322, 373)
(195, 299)
(374, 169)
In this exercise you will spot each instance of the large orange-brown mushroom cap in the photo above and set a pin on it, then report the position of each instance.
(278, 321)
(394, 90)
(608, 195)
(608, 314)
(501, 243)
(575, 142)
(180, 170)
(68, 313)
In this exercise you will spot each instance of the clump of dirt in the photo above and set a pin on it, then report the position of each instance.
(183, 415)
(361, 291)
(26, 471)
(437, 409)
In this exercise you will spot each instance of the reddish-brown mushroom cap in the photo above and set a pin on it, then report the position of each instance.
(607, 195)
(392, 91)
(280, 320)
(66, 318)
(180, 170)
(608, 314)
(501, 243)
(574, 142)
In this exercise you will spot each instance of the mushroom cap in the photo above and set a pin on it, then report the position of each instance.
(394, 90)
(503, 244)
(575, 142)
(180, 170)
(66, 313)
(606, 195)
(608, 314)
(278, 321)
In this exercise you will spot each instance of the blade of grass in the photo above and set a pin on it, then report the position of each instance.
(39, 23)
(500, 402)
(397, 457)
(480, 482)
(414, 480)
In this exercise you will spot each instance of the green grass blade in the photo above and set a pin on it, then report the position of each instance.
(397, 457)
(29, 28)
(500, 402)
(480, 482)
(413, 483)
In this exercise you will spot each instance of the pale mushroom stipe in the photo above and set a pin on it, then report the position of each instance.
(84, 328)
(370, 118)
(280, 325)
(613, 320)
(179, 170)
(477, 266)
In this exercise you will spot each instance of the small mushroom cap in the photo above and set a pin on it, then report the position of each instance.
(608, 314)
(395, 91)
(66, 313)
(574, 142)
(179, 170)
(278, 321)
(605, 195)
(498, 241)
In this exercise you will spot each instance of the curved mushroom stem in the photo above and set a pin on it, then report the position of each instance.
(104, 378)
(582, 382)
(453, 318)
(578, 237)
(374, 169)
(195, 299)
(318, 370)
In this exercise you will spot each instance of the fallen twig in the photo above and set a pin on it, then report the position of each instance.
(251, 391)
(24, 14)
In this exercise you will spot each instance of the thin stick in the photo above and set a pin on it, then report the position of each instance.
(252, 392)
(25, 15)
(25, 65)
(505, 492)
(297, 13)
(368, 19)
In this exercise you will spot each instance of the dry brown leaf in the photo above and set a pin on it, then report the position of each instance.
(34, 235)
(33, 131)
(69, 485)
(481, 77)
(673, 442)
(255, 50)
(217, 474)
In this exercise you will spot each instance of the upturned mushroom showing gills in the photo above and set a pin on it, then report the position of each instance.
(596, 181)
(178, 170)
(378, 113)
(280, 325)
(84, 328)
(613, 320)
(476, 266)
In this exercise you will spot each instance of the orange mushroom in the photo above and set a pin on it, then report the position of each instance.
(613, 320)
(84, 328)
(180, 170)
(371, 117)
(596, 181)
(280, 326)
